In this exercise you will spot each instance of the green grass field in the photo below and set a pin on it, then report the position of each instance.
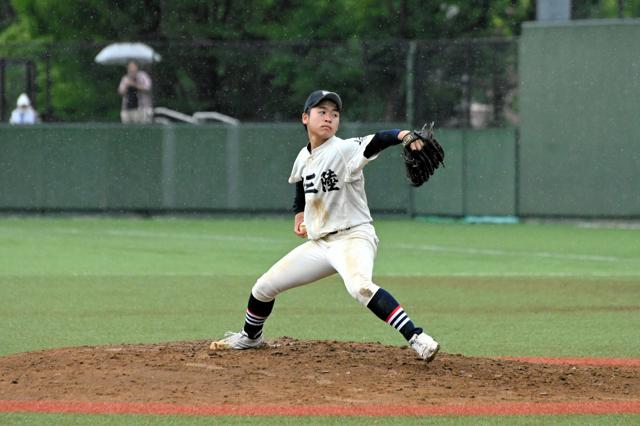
(490, 290)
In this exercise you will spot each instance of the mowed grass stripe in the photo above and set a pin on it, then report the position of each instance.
(410, 247)
(209, 247)
(484, 316)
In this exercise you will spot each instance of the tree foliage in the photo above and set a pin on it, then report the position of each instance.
(295, 46)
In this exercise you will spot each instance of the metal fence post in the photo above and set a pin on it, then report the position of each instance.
(233, 165)
(168, 167)
(410, 76)
(3, 103)
(410, 113)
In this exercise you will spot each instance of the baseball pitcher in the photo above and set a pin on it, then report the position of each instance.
(331, 212)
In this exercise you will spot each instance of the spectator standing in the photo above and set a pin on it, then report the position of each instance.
(24, 112)
(135, 89)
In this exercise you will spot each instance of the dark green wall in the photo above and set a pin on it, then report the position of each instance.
(219, 168)
(479, 177)
(80, 167)
(580, 128)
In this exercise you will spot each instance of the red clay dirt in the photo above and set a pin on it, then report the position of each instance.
(333, 377)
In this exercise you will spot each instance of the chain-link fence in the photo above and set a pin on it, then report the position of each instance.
(17, 76)
(462, 83)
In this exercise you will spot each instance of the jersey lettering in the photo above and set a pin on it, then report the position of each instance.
(332, 173)
(329, 179)
(308, 187)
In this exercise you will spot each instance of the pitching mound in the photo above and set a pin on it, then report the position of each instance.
(296, 372)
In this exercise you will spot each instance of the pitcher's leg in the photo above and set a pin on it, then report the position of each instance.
(387, 308)
(353, 259)
(304, 264)
(256, 315)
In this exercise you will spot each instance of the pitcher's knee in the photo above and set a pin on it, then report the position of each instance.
(264, 290)
(362, 291)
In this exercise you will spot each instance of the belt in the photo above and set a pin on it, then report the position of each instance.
(339, 230)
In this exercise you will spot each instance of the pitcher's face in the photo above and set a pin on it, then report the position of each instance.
(322, 120)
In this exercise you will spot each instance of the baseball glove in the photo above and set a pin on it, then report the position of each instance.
(421, 164)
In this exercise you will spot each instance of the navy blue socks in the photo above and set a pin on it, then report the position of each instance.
(257, 314)
(389, 310)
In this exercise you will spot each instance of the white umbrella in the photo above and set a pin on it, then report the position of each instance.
(122, 53)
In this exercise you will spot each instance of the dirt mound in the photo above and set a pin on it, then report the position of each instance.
(296, 372)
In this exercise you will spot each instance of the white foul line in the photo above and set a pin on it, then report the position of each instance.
(493, 252)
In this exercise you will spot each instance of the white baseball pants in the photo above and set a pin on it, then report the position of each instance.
(350, 253)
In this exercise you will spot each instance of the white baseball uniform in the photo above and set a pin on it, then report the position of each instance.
(341, 236)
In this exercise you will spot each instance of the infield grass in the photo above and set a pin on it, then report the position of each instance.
(488, 290)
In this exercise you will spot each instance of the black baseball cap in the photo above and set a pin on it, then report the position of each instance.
(320, 95)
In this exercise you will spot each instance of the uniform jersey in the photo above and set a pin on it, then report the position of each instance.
(333, 183)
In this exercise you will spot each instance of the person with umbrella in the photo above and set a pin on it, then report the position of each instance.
(135, 86)
(135, 89)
